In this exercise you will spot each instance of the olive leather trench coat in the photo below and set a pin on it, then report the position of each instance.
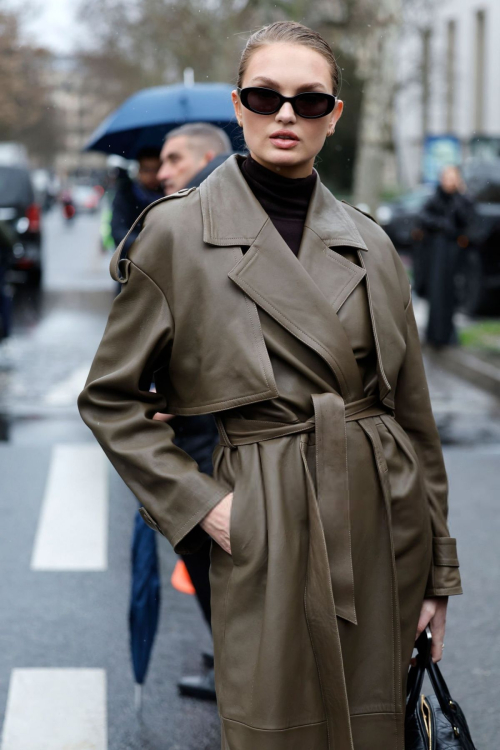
(312, 367)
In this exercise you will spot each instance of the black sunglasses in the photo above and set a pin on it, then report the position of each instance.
(264, 101)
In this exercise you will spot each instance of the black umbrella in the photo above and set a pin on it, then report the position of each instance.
(144, 601)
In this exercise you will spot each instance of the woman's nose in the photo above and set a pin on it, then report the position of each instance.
(286, 113)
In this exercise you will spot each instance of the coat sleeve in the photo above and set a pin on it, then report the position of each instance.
(414, 413)
(118, 406)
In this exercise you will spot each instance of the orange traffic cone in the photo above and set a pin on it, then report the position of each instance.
(180, 579)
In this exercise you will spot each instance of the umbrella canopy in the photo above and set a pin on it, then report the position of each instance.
(145, 597)
(146, 117)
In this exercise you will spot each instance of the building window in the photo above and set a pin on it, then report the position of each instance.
(450, 75)
(479, 71)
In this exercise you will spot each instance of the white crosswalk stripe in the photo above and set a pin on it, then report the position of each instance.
(72, 530)
(56, 709)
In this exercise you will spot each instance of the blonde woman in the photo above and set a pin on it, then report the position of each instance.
(261, 298)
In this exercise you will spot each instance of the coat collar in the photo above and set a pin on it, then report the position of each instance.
(302, 293)
(225, 193)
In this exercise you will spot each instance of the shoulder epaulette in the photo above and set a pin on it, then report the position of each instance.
(360, 211)
(128, 240)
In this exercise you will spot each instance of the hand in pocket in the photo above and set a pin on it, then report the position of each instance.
(217, 523)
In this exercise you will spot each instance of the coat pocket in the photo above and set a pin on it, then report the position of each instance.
(233, 527)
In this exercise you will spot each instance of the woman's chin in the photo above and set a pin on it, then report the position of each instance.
(282, 158)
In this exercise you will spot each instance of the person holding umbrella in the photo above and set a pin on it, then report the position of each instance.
(189, 155)
(327, 507)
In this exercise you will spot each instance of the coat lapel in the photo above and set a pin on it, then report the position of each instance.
(302, 293)
(334, 276)
(275, 279)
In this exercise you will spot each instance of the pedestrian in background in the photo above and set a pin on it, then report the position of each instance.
(133, 196)
(189, 155)
(328, 503)
(445, 217)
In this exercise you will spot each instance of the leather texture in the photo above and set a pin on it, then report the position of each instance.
(313, 367)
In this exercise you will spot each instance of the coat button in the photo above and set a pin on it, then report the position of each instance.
(148, 520)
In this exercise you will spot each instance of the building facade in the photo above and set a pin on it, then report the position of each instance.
(449, 80)
(80, 109)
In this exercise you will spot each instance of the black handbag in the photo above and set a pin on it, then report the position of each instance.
(434, 722)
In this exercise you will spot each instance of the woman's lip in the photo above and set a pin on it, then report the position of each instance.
(283, 142)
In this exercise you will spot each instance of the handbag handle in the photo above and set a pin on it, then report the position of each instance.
(416, 678)
(441, 690)
(417, 673)
(451, 711)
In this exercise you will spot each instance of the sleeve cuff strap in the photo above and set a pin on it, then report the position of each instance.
(444, 575)
(444, 552)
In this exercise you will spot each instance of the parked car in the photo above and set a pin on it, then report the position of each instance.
(19, 209)
(86, 198)
(400, 218)
(7, 242)
(47, 186)
(479, 275)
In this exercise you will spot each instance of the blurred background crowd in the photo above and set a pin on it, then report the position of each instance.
(105, 106)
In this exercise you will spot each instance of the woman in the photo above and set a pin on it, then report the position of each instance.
(445, 216)
(261, 298)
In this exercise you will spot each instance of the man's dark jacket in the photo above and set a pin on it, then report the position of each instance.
(198, 435)
(129, 202)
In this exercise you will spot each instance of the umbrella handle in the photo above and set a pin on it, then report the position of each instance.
(138, 697)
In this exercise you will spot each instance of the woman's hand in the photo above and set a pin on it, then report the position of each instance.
(217, 523)
(433, 613)
(160, 417)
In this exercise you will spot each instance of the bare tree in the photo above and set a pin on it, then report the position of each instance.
(26, 111)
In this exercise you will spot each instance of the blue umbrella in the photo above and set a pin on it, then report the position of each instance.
(144, 601)
(145, 117)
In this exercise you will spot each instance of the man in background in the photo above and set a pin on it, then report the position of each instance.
(133, 196)
(189, 154)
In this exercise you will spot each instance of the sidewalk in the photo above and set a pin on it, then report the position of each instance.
(477, 359)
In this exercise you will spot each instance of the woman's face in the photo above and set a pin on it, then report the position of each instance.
(289, 69)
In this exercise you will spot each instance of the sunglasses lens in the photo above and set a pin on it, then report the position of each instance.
(262, 101)
(312, 105)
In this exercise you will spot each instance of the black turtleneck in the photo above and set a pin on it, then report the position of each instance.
(284, 199)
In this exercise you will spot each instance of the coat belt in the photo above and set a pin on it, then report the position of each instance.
(330, 415)
(330, 555)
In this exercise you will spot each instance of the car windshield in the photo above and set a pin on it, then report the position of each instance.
(15, 187)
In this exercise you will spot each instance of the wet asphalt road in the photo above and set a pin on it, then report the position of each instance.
(79, 619)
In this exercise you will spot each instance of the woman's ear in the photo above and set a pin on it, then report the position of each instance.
(237, 107)
(335, 116)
